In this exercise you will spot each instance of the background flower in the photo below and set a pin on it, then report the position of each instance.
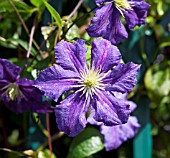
(106, 22)
(19, 95)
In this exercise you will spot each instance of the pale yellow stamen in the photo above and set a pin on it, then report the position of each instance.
(123, 5)
(12, 91)
(90, 81)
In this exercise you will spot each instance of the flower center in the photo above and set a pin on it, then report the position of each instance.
(12, 91)
(90, 82)
(91, 79)
(123, 5)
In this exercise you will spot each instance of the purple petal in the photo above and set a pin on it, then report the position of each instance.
(8, 71)
(3, 83)
(91, 119)
(110, 110)
(54, 81)
(33, 97)
(70, 114)
(71, 56)
(122, 78)
(137, 16)
(123, 96)
(114, 136)
(102, 1)
(18, 105)
(104, 55)
(100, 21)
(107, 24)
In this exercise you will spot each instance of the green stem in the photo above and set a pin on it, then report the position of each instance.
(142, 51)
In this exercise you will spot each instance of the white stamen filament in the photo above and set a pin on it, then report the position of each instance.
(90, 82)
(12, 91)
(123, 5)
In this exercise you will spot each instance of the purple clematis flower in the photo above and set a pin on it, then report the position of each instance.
(19, 95)
(114, 136)
(91, 85)
(107, 24)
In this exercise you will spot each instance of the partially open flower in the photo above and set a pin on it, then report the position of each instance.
(106, 22)
(19, 95)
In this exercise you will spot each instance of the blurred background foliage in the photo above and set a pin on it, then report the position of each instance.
(148, 45)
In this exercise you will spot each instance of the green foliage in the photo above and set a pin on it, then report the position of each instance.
(45, 154)
(73, 33)
(157, 81)
(158, 7)
(7, 11)
(86, 143)
(36, 3)
(53, 13)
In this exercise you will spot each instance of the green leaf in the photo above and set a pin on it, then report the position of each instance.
(12, 139)
(20, 5)
(54, 14)
(45, 153)
(24, 44)
(86, 143)
(36, 3)
(157, 81)
(43, 64)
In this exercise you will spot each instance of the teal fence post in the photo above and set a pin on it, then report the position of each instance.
(142, 144)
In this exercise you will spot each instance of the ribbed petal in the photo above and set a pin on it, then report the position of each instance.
(114, 136)
(91, 119)
(70, 114)
(124, 96)
(104, 55)
(71, 56)
(8, 71)
(137, 16)
(54, 81)
(107, 24)
(100, 21)
(122, 78)
(110, 110)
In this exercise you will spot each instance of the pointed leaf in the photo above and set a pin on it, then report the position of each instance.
(54, 14)
(86, 143)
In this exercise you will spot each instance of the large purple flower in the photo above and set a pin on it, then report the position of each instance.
(19, 95)
(107, 24)
(114, 136)
(91, 86)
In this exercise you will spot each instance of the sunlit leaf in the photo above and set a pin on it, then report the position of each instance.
(86, 143)
(45, 154)
(36, 3)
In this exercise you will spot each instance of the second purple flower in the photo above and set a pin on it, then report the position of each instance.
(107, 23)
(91, 86)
